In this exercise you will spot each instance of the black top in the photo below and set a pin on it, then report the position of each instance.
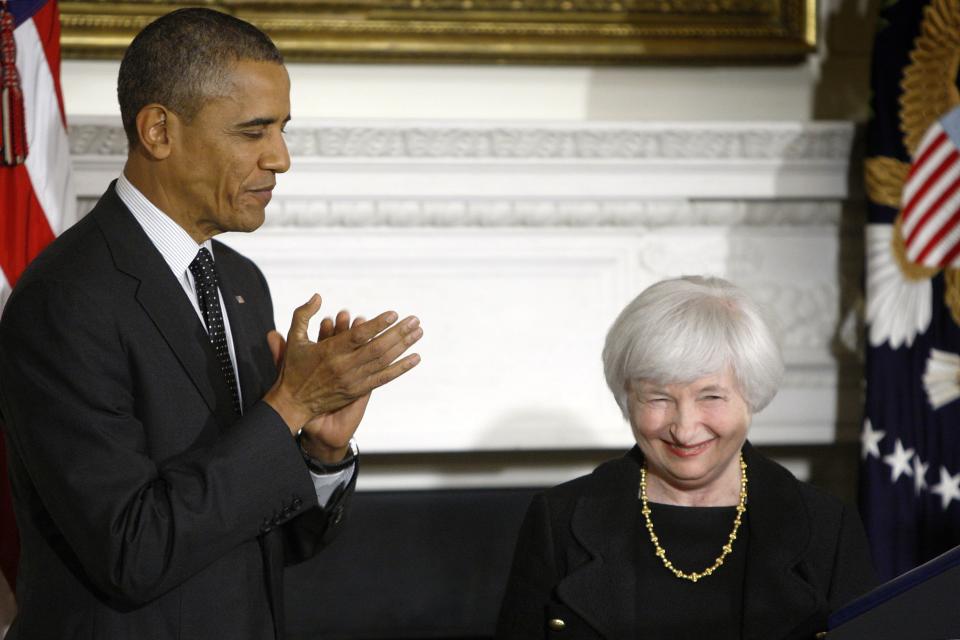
(578, 558)
(671, 608)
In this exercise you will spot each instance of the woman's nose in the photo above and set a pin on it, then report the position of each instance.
(685, 423)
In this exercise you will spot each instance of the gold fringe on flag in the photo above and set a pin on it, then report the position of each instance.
(885, 178)
(13, 126)
(952, 295)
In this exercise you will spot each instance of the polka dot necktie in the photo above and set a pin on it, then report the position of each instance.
(205, 278)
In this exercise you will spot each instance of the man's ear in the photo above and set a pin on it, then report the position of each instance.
(153, 128)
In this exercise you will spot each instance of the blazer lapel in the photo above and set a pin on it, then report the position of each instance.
(245, 331)
(603, 590)
(777, 598)
(164, 301)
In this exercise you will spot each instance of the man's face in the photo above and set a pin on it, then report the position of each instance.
(227, 158)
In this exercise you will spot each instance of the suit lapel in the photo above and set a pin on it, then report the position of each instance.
(603, 590)
(777, 599)
(249, 376)
(254, 365)
(164, 301)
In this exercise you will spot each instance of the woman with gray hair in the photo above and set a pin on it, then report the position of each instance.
(693, 533)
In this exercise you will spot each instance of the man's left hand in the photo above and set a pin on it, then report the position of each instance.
(327, 437)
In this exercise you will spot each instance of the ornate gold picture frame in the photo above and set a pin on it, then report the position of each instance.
(482, 31)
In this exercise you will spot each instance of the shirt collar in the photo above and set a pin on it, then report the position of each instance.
(171, 240)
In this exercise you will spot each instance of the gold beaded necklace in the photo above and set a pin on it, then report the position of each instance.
(727, 548)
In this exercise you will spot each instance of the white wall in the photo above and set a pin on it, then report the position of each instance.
(510, 92)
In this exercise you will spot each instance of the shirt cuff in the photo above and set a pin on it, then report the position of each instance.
(325, 484)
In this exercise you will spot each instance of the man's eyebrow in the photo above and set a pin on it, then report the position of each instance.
(261, 122)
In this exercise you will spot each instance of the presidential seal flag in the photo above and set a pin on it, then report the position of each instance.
(910, 443)
(36, 195)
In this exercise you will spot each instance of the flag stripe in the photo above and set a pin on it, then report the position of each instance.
(930, 189)
(952, 257)
(934, 214)
(47, 23)
(947, 233)
(942, 218)
(934, 146)
(48, 162)
(24, 229)
(4, 294)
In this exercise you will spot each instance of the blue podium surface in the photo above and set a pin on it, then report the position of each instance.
(922, 604)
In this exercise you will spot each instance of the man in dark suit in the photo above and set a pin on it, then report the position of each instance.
(163, 470)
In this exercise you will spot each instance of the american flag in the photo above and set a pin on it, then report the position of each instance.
(37, 200)
(910, 443)
(930, 207)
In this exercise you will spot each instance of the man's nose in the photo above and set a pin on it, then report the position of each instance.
(277, 157)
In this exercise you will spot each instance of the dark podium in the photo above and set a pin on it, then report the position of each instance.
(922, 604)
(410, 565)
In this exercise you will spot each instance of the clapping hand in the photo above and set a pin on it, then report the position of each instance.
(324, 386)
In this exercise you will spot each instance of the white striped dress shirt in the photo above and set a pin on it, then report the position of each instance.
(178, 250)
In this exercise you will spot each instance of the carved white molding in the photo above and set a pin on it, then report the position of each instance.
(97, 137)
(570, 160)
(581, 142)
(306, 212)
(811, 142)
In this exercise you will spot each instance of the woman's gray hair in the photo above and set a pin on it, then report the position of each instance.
(677, 331)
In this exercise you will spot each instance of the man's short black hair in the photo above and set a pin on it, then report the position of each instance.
(180, 59)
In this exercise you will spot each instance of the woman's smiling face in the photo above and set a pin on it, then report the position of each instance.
(690, 434)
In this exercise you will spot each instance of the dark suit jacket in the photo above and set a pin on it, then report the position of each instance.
(575, 558)
(146, 508)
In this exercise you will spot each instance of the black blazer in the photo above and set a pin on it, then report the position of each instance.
(575, 557)
(146, 508)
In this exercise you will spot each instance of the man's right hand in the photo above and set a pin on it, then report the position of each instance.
(318, 378)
